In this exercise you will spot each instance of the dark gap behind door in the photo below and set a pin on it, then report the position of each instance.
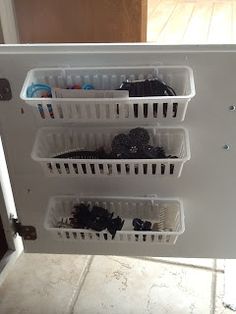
(3, 241)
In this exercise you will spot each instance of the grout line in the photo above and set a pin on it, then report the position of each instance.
(213, 288)
(82, 278)
(188, 24)
(232, 22)
(150, 15)
(179, 264)
(167, 21)
(210, 22)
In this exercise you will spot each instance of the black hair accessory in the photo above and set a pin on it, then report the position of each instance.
(115, 224)
(148, 87)
(83, 154)
(140, 225)
(97, 218)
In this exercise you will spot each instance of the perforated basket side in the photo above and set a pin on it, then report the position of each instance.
(171, 219)
(111, 109)
(52, 141)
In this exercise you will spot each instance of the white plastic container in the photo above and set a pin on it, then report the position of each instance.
(50, 142)
(166, 214)
(137, 109)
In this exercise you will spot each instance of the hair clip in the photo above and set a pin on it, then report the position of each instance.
(87, 86)
(33, 88)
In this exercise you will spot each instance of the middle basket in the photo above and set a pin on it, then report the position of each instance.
(53, 141)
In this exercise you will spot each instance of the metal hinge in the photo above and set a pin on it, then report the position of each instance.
(5, 89)
(26, 232)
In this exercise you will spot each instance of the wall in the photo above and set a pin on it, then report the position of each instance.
(48, 21)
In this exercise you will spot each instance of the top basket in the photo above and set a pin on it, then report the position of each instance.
(150, 109)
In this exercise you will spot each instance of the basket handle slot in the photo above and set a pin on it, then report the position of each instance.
(175, 109)
(145, 110)
(84, 169)
(135, 108)
(41, 111)
(75, 167)
(163, 168)
(58, 167)
(92, 167)
(154, 168)
(165, 108)
(155, 110)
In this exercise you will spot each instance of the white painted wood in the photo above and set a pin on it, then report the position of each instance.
(8, 22)
(7, 207)
(7, 204)
(207, 184)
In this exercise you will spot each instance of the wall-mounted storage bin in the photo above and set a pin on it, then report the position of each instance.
(53, 141)
(137, 109)
(167, 215)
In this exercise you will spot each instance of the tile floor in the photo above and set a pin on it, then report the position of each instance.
(109, 284)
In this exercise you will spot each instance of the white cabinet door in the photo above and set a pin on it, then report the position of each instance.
(208, 180)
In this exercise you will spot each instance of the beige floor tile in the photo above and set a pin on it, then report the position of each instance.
(42, 283)
(121, 285)
(198, 262)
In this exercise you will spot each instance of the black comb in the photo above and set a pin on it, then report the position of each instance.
(83, 154)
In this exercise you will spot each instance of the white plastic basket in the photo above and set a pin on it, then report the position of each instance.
(52, 141)
(156, 109)
(167, 214)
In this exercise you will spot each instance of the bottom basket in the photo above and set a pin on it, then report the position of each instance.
(166, 214)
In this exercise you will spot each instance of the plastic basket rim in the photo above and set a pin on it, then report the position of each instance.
(118, 232)
(147, 198)
(128, 99)
(38, 99)
(111, 161)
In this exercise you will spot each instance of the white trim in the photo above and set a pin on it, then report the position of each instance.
(114, 48)
(8, 22)
(7, 207)
(7, 202)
